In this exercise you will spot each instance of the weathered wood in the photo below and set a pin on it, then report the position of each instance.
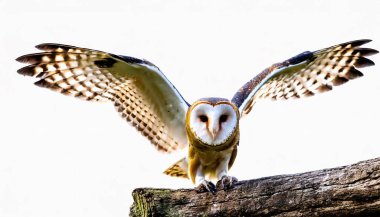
(352, 190)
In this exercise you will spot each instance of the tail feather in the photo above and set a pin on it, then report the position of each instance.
(179, 169)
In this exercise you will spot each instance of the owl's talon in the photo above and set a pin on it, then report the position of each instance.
(226, 182)
(206, 186)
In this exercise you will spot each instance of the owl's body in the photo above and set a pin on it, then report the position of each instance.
(210, 157)
(209, 127)
(209, 164)
(213, 136)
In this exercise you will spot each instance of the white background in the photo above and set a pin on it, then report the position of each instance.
(61, 156)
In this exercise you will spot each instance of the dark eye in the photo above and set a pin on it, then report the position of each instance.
(223, 118)
(203, 118)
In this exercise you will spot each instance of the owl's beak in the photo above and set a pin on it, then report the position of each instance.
(214, 133)
(213, 129)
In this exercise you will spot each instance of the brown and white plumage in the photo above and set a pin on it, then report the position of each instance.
(306, 74)
(140, 92)
(210, 126)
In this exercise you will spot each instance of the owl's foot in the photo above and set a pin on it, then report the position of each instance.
(226, 182)
(206, 186)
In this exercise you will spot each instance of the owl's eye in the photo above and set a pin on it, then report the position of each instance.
(203, 118)
(223, 118)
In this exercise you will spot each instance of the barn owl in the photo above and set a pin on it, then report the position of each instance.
(209, 127)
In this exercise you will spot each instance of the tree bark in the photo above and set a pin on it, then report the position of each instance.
(352, 190)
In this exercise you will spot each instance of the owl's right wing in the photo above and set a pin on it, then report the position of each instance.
(306, 74)
(139, 90)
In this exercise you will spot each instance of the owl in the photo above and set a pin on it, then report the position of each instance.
(209, 127)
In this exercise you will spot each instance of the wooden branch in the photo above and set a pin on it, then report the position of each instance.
(352, 190)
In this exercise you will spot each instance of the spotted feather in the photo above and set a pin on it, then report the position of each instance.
(306, 74)
(140, 92)
(179, 169)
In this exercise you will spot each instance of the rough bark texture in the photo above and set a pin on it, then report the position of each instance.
(352, 190)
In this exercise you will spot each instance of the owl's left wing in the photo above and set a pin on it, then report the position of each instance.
(141, 93)
(306, 74)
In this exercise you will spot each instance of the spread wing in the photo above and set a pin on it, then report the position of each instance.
(306, 74)
(138, 89)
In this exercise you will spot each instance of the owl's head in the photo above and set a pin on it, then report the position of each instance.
(212, 121)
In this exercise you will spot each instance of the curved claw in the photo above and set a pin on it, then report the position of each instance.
(226, 182)
(206, 186)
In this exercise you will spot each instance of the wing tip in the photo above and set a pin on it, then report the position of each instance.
(363, 62)
(47, 46)
(25, 71)
(374, 51)
(43, 83)
(366, 51)
(359, 42)
(53, 46)
(42, 46)
(366, 40)
(23, 58)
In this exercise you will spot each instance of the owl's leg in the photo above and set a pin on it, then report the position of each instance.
(224, 181)
(203, 184)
